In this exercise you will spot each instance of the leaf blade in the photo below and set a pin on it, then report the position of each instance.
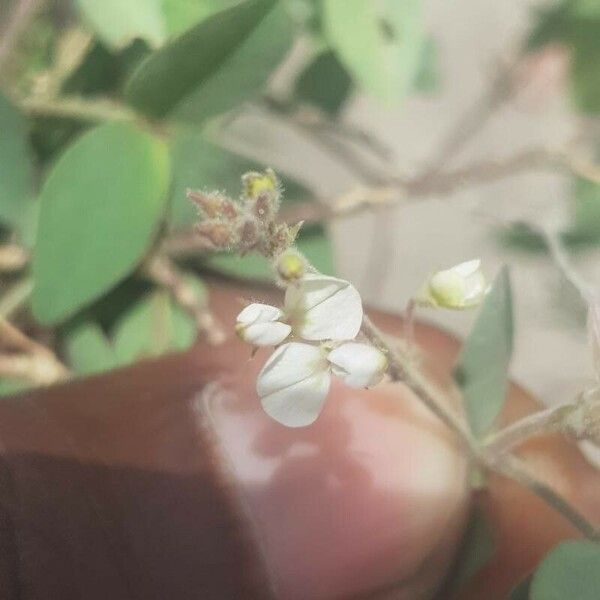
(107, 194)
(482, 368)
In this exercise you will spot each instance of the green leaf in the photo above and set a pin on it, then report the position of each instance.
(380, 43)
(570, 570)
(152, 327)
(88, 349)
(482, 367)
(324, 83)
(180, 15)
(477, 549)
(315, 245)
(100, 208)
(521, 592)
(200, 164)
(586, 226)
(215, 65)
(119, 22)
(16, 170)
(427, 79)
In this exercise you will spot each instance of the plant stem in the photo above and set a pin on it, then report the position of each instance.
(78, 108)
(513, 468)
(544, 421)
(403, 371)
(15, 297)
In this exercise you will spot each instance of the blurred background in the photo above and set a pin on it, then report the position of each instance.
(411, 134)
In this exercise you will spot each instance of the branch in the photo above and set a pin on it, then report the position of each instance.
(78, 108)
(37, 364)
(22, 14)
(165, 273)
(12, 257)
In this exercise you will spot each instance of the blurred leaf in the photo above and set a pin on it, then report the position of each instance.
(482, 367)
(324, 83)
(570, 570)
(476, 550)
(119, 22)
(200, 164)
(586, 226)
(8, 387)
(103, 71)
(215, 65)
(100, 207)
(152, 327)
(427, 79)
(315, 245)
(521, 592)
(379, 43)
(180, 15)
(16, 169)
(88, 349)
(575, 24)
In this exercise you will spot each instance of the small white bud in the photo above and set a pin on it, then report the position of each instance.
(258, 325)
(358, 365)
(462, 286)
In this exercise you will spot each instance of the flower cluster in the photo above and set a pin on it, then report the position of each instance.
(320, 319)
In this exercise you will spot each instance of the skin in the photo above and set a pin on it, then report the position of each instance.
(166, 479)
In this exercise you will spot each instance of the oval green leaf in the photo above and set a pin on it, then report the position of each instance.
(380, 43)
(482, 369)
(100, 207)
(216, 64)
(571, 570)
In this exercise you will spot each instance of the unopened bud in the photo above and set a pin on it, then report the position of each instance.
(217, 233)
(213, 205)
(257, 184)
(248, 233)
(290, 266)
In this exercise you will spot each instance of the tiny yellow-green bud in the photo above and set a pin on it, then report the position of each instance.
(290, 266)
(257, 183)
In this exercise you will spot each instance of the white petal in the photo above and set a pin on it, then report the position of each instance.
(299, 404)
(290, 364)
(467, 268)
(265, 334)
(259, 313)
(294, 383)
(324, 308)
(358, 365)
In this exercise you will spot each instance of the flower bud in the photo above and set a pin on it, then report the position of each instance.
(257, 184)
(462, 286)
(218, 234)
(358, 365)
(290, 266)
(258, 325)
(213, 205)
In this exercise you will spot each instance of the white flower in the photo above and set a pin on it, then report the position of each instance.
(258, 324)
(462, 286)
(358, 365)
(316, 308)
(295, 380)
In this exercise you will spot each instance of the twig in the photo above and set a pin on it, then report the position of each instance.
(78, 108)
(402, 370)
(12, 257)
(15, 297)
(164, 272)
(539, 423)
(514, 469)
(37, 363)
(23, 12)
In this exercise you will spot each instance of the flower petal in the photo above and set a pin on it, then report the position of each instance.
(299, 404)
(289, 364)
(294, 383)
(358, 365)
(259, 313)
(467, 268)
(265, 334)
(324, 308)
